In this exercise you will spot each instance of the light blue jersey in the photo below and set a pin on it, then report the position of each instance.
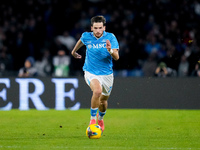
(98, 60)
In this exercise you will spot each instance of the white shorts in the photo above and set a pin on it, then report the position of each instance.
(106, 81)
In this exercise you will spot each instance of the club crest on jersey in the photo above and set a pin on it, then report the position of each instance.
(89, 46)
(97, 45)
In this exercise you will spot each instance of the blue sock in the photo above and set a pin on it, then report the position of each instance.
(101, 114)
(93, 112)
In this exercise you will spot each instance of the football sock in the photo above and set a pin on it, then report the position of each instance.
(93, 112)
(101, 115)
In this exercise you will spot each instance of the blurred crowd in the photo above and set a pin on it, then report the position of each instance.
(157, 37)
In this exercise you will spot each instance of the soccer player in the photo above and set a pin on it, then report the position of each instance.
(101, 48)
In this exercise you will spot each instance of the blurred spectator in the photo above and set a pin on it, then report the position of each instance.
(44, 65)
(84, 20)
(77, 30)
(183, 67)
(149, 24)
(172, 58)
(193, 56)
(61, 64)
(2, 37)
(196, 71)
(150, 65)
(28, 70)
(173, 31)
(67, 40)
(163, 71)
(31, 35)
(152, 46)
(20, 50)
(6, 61)
(197, 7)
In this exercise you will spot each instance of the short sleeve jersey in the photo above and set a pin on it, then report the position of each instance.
(98, 60)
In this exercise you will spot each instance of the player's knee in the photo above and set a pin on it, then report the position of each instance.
(103, 102)
(97, 92)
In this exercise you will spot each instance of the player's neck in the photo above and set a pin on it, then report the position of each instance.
(97, 37)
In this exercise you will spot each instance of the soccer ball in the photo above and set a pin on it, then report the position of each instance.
(94, 131)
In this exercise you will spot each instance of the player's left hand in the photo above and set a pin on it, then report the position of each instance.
(108, 45)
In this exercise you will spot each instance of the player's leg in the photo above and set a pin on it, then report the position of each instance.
(102, 110)
(103, 103)
(107, 83)
(95, 100)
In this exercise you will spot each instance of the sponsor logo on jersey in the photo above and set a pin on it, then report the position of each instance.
(97, 45)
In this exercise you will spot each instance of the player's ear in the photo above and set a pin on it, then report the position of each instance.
(104, 28)
(91, 28)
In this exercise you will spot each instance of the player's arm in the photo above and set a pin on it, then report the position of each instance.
(113, 52)
(78, 45)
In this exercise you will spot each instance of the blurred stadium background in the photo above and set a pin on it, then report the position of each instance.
(149, 32)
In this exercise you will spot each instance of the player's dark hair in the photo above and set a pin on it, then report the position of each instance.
(98, 19)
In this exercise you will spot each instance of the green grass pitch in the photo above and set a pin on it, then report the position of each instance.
(125, 129)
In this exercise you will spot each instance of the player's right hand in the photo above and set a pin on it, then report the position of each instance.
(76, 55)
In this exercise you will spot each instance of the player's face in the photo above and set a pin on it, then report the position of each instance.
(98, 29)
